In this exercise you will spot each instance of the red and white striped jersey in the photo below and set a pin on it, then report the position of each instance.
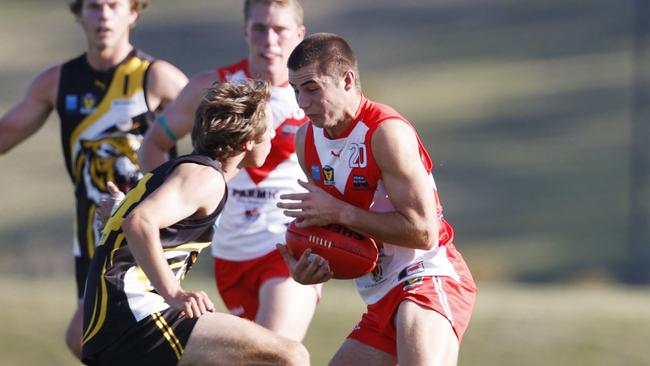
(251, 224)
(346, 168)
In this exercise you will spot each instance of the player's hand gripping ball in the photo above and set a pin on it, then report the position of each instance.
(349, 253)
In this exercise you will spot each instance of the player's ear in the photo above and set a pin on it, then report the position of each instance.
(301, 32)
(248, 146)
(349, 79)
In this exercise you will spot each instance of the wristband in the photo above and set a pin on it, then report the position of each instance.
(165, 126)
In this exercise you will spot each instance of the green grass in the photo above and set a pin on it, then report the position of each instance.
(523, 105)
(511, 325)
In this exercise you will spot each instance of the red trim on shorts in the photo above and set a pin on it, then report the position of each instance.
(452, 299)
(239, 282)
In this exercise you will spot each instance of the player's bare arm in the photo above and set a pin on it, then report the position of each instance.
(407, 183)
(179, 119)
(300, 148)
(29, 115)
(190, 191)
(164, 83)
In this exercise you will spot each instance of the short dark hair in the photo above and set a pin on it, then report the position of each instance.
(230, 115)
(332, 53)
(137, 5)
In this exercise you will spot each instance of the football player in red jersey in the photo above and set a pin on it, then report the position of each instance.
(251, 276)
(368, 170)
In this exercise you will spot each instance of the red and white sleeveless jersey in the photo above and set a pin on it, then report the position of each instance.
(251, 224)
(345, 168)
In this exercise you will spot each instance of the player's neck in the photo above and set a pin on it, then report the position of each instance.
(104, 59)
(231, 166)
(274, 77)
(350, 112)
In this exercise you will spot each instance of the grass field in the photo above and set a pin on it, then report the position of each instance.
(512, 325)
(524, 106)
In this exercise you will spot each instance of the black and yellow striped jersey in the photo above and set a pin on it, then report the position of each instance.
(118, 293)
(104, 115)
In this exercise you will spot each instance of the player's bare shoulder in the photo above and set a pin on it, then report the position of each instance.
(164, 82)
(203, 184)
(45, 85)
(200, 82)
(394, 138)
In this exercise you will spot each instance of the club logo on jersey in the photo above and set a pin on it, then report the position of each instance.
(88, 102)
(109, 158)
(411, 269)
(100, 84)
(71, 102)
(360, 183)
(412, 284)
(252, 214)
(315, 172)
(328, 174)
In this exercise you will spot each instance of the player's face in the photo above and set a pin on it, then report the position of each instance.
(322, 97)
(261, 148)
(106, 22)
(271, 34)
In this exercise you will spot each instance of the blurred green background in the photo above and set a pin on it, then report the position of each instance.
(525, 106)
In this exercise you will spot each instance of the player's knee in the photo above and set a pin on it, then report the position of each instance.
(296, 354)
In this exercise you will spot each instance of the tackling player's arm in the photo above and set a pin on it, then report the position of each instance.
(309, 268)
(413, 223)
(174, 123)
(191, 190)
(29, 115)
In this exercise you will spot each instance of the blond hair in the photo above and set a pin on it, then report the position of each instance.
(296, 5)
(230, 115)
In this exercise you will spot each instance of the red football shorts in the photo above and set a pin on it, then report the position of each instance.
(454, 300)
(239, 282)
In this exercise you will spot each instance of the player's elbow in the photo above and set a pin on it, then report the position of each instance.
(129, 224)
(151, 153)
(134, 223)
(295, 353)
(426, 236)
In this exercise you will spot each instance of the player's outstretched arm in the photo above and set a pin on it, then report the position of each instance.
(190, 191)
(28, 115)
(176, 121)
